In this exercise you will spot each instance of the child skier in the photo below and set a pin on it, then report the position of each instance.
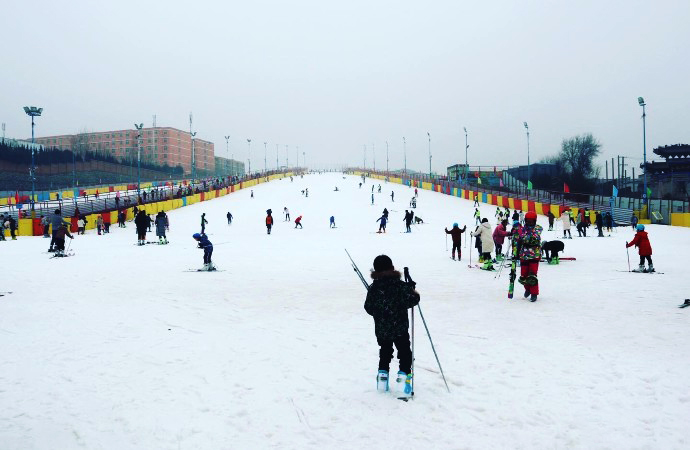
(456, 235)
(641, 241)
(565, 220)
(298, 222)
(383, 219)
(499, 235)
(269, 221)
(208, 251)
(388, 300)
(528, 242)
(142, 222)
(59, 237)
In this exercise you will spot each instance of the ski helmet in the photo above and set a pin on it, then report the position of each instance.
(516, 223)
(531, 215)
(640, 227)
(196, 236)
(455, 225)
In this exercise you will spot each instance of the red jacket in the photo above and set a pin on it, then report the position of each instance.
(642, 242)
(269, 220)
(298, 220)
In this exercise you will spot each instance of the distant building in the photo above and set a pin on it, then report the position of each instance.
(670, 178)
(226, 166)
(160, 145)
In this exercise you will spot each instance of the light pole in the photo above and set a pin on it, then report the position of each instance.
(193, 155)
(227, 150)
(373, 149)
(139, 127)
(386, 157)
(640, 100)
(466, 147)
(528, 166)
(427, 133)
(265, 152)
(249, 159)
(32, 111)
(405, 153)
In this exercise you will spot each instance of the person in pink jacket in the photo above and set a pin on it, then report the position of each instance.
(499, 235)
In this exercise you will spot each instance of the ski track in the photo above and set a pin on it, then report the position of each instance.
(118, 347)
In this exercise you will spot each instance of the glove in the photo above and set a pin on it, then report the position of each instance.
(412, 284)
(71, 237)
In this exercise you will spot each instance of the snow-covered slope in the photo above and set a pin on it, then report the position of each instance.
(119, 347)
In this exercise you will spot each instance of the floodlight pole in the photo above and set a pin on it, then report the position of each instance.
(644, 150)
(466, 147)
(32, 111)
(265, 152)
(249, 159)
(405, 154)
(427, 133)
(386, 157)
(139, 127)
(528, 166)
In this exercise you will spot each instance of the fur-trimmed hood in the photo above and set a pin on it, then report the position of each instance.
(385, 274)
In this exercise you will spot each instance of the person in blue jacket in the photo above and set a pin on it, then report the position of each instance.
(383, 219)
(204, 243)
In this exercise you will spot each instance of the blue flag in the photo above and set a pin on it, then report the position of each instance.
(615, 191)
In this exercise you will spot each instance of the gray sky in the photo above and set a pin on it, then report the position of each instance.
(333, 76)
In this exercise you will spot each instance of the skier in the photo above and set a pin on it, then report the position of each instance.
(229, 216)
(203, 222)
(521, 218)
(372, 188)
(487, 243)
(269, 221)
(416, 194)
(551, 219)
(252, 194)
(204, 243)
(287, 214)
(528, 242)
(45, 222)
(551, 249)
(306, 192)
(161, 222)
(582, 225)
(499, 235)
(392, 196)
(298, 222)
(498, 213)
(608, 221)
(81, 225)
(372, 199)
(383, 219)
(565, 220)
(385, 212)
(360, 185)
(633, 221)
(388, 300)
(456, 236)
(59, 237)
(408, 221)
(477, 217)
(570, 217)
(413, 202)
(599, 221)
(332, 222)
(379, 188)
(12, 225)
(476, 200)
(142, 222)
(99, 224)
(641, 241)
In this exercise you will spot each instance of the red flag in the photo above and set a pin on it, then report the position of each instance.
(16, 197)
(566, 188)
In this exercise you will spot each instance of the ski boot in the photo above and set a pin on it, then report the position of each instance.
(526, 294)
(382, 381)
(533, 298)
(488, 266)
(404, 383)
(640, 269)
(651, 268)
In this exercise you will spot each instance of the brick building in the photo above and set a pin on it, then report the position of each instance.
(160, 145)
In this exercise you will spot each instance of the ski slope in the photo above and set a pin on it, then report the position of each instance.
(119, 347)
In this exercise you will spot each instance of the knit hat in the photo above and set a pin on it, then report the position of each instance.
(382, 263)
(531, 215)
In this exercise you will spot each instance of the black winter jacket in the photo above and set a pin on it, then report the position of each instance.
(387, 302)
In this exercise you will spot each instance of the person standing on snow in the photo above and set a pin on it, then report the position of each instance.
(521, 218)
(142, 223)
(477, 217)
(392, 196)
(287, 214)
(269, 221)
(229, 216)
(456, 237)
(565, 220)
(528, 242)
(487, 243)
(551, 219)
(383, 219)
(207, 246)
(332, 222)
(161, 222)
(388, 300)
(476, 200)
(408, 221)
(59, 236)
(203, 223)
(633, 221)
(499, 235)
(45, 222)
(298, 222)
(641, 241)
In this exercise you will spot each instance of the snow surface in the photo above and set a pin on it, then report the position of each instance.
(119, 348)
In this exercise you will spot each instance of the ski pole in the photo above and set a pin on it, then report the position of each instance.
(446, 241)
(627, 250)
(412, 367)
(409, 280)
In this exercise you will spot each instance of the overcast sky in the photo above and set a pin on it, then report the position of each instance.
(331, 77)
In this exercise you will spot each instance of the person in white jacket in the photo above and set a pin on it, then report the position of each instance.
(486, 236)
(565, 219)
